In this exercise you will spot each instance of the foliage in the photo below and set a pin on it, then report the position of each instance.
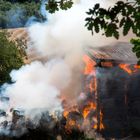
(52, 5)
(22, 1)
(10, 58)
(122, 15)
(15, 14)
(136, 48)
(125, 15)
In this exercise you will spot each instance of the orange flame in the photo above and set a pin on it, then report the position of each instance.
(137, 66)
(107, 64)
(65, 113)
(101, 121)
(88, 108)
(95, 126)
(71, 123)
(126, 68)
(91, 106)
(89, 64)
(92, 85)
(130, 69)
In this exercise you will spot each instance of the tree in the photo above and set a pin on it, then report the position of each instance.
(125, 15)
(10, 58)
(53, 5)
(16, 13)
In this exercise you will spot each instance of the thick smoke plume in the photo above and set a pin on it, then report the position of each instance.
(39, 86)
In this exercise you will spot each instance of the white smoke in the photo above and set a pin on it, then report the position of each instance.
(36, 89)
(37, 85)
(61, 41)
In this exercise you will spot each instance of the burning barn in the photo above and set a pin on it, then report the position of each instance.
(67, 89)
(110, 96)
(113, 82)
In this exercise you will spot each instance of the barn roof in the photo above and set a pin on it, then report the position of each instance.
(120, 52)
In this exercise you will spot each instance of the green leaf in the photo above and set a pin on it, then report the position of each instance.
(116, 34)
(136, 48)
(52, 6)
(122, 22)
(138, 54)
(138, 63)
(96, 28)
(112, 30)
(96, 6)
(88, 19)
(127, 25)
(96, 25)
(90, 26)
(107, 17)
(90, 12)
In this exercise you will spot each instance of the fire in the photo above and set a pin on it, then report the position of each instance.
(90, 69)
(88, 110)
(101, 121)
(90, 106)
(137, 66)
(126, 68)
(72, 123)
(65, 113)
(107, 64)
(90, 113)
(130, 69)
(89, 64)
(93, 85)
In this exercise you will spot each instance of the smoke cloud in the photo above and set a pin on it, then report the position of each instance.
(60, 42)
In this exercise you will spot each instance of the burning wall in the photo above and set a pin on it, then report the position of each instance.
(117, 90)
